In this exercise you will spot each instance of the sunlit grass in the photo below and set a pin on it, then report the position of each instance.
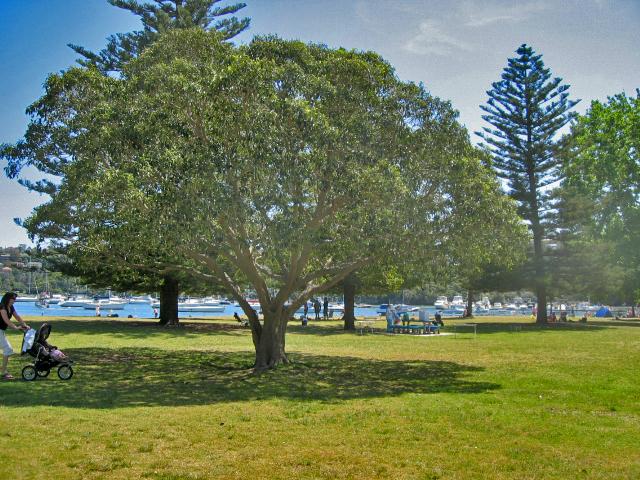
(515, 401)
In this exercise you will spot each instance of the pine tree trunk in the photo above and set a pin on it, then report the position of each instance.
(270, 348)
(541, 315)
(470, 304)
(538, 259)
(349, 291)
(169, 291)
(540, 287)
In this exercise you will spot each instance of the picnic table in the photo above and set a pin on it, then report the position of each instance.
(419, 327)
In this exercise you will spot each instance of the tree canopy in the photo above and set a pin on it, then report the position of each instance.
(601, 198)
(280, 165)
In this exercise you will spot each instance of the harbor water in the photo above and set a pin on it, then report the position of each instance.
(137, 310)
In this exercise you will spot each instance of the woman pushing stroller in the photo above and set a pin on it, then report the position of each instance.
(7, 311)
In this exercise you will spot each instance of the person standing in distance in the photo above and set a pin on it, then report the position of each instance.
(316, 308)
(6, 312)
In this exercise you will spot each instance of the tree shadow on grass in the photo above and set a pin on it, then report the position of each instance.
(128, 377)
(514, 327)
(621, 322)
(141, 329)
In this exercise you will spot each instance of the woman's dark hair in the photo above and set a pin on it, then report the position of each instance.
(8, 296)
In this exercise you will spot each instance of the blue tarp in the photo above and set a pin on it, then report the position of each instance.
(604, 312)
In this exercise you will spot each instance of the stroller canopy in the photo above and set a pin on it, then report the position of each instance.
(27, 341)
(32, 339)
(43, 333)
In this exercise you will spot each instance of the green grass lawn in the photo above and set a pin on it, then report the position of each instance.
(516, 402)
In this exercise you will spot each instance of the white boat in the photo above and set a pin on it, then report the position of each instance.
(26, 298)
(55, 299)
(457, 301)
(497, 305)
(141, 300)
(210, 302)
(441, 303)
(105, 305)
(453, 312)
(193, 307)
(75, 302)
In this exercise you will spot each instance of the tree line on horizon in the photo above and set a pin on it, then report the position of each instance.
(188, 163)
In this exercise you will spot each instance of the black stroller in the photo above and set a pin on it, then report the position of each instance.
(35, 344)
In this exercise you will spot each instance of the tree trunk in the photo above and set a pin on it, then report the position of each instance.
(469, 304)
(541, 294)
(540, 280)
(169, 291)
(270, 349)
(349, 291)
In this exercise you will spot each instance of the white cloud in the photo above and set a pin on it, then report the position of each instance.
(482, 14)
(432, 40)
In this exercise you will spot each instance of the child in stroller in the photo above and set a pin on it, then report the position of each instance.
(46, 356)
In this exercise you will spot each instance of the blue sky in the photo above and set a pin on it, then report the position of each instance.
(457, 48)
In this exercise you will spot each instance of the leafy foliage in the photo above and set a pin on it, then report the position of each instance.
(280, 165)
(601, 198)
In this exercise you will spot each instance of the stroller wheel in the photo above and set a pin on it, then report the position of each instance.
(29, 373)
(65, 372)
(44, 373)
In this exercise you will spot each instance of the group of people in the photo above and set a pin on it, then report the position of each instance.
(395, 318)
(554, 318)
(7, 312)
(317, 307)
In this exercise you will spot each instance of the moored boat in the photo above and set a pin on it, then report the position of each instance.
(457, 301)
(441, 303)
(26, 298)
(75, 302)
(192, 307)
(105, 304)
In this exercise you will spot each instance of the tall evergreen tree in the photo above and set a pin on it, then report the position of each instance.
(526, 109)
(159, 17)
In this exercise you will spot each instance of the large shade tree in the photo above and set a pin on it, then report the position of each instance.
(280, 165)
(601, 198)
(526, 109)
